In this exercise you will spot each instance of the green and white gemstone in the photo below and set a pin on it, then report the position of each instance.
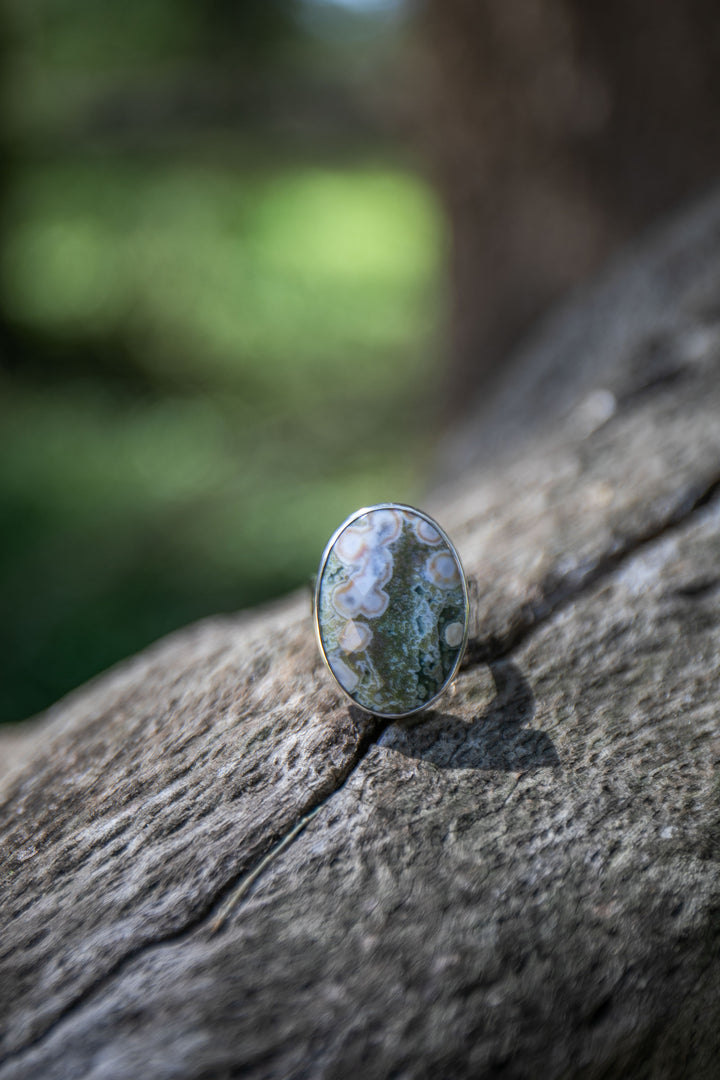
(392, 609)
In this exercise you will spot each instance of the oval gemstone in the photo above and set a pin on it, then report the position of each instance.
(392, 609)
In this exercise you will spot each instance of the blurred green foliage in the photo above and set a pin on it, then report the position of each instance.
(217, 356)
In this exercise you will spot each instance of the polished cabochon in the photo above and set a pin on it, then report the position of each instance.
(391, 609)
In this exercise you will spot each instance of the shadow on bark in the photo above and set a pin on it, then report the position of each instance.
(498, 738)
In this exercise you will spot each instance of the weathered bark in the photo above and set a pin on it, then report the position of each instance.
(523, 881)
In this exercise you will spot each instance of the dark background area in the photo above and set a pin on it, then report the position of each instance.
(257, 256)
(555, 131)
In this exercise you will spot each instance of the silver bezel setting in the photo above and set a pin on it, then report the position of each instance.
(316, 596)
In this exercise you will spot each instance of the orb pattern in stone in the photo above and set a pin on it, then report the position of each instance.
(392, 610)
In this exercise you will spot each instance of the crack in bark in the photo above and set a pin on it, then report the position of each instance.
(247, 881)
(556, 596)
(218, 907)
(560, 593)
(235, 892)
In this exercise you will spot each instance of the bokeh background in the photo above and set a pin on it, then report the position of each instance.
(257, 256)
(220, 300)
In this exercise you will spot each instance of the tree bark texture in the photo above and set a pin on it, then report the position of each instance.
(213, 867)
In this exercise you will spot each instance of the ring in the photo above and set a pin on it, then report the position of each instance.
(391, 609)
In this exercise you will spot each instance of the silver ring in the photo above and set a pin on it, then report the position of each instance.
(391, 609)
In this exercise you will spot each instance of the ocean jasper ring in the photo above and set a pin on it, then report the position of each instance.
(391, 609)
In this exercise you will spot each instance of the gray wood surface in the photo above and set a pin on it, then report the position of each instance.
(212, 867)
